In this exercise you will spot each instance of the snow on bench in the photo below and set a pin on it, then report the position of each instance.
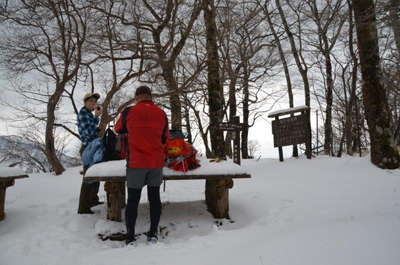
(11, 172)
(118, 169)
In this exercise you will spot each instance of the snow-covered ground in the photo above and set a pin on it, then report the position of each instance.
(324, 211)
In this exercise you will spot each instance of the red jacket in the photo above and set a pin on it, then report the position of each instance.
(147, 127)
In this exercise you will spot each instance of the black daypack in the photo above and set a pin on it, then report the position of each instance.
(110, 142)
(116, 146)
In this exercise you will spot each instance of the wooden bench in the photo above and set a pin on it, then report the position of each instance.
(6, 182)
(216, 192)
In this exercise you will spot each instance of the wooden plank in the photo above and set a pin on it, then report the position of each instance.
(172, 177)
(13, 177)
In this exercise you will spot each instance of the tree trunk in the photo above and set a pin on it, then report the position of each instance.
(246, 112)
(232, 112)
(394, 13)
(349, 110)
(50, 149)
(329, 102)
(176, 112)
(174, 100)
(215, 89)
(340, 152)
(188, 125)
(383, 149)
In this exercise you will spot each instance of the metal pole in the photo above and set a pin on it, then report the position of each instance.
(317, 132)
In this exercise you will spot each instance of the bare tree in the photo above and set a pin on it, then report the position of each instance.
(46, 38)
(254, 147)
(329, 20)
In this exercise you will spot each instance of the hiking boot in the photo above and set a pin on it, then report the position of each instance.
(131, 241)
(152, 237)
(85, 211)
(97, 203)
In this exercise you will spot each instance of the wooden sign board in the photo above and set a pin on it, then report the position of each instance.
(290, 131)
(293, 130)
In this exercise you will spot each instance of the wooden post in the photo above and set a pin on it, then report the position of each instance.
(308, 134)
(236, 141)
(114, 192)
(2, 202)
(316, 112)
(3, 187)
(123, 197)
(280, 149)
(217, 197)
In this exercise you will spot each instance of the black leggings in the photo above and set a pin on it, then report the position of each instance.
(153, 194)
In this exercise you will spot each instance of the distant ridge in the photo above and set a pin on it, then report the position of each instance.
(19, 152)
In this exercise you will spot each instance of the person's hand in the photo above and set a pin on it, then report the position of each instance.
(98, 111)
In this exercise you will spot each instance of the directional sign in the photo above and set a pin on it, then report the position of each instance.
(226, 126)
(235, 127)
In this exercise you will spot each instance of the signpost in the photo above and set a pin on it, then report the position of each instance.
(293, 130)
(235, 127)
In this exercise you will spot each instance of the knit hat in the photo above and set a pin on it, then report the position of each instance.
(91, 95)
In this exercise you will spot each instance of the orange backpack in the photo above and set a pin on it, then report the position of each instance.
(181, 156)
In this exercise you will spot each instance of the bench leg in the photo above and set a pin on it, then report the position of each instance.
(2, 202)
(115, 196)
(217, 197)
(123, 197)
(3, 187)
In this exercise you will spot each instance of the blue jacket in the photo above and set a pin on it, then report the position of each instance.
(93, 153)
(87, 126)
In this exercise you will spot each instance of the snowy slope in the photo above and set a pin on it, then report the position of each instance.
(326, 211)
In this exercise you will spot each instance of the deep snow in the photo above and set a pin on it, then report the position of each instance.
(324, 211)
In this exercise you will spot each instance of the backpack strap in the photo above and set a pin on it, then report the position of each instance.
(124, 129)
(165, 129)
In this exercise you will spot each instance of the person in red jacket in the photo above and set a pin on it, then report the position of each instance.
(147, 127)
